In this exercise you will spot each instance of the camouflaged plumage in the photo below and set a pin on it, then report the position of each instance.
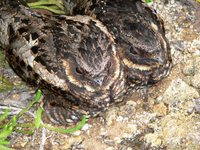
(85, 63)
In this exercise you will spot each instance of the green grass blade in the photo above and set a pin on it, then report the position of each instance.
(29, 132)
(5, 133)
(148, 1)
(52, 9)
(5, 148)
(3, 142)
(51, 5)
(58, 3)
(38, 118)
(14, 121)
(4, 115)
(69, 130)
(36, 99)
(38, 95)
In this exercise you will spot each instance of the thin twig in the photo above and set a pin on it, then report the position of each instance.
(43, 139)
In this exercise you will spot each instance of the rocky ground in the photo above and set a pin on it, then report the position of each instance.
(170, 119)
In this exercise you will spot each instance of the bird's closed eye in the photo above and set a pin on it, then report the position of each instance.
(133, 50)
(79, 70)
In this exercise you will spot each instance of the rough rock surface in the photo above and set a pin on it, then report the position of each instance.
(170, 119)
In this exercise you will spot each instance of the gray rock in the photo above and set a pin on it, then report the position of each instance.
(178, 91)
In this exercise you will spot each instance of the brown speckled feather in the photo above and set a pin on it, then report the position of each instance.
(74, 57)
(140, 37)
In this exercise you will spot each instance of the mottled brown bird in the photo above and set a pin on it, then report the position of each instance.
(140, 36)
(73, 57)
(85, 63)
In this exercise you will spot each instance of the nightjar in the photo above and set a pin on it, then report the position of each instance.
(140, 37)
(84, 64)
(73, 57)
